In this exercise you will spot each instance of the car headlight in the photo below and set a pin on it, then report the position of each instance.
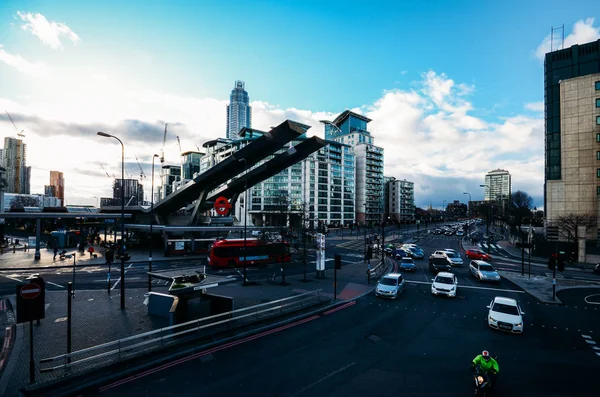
(492, 319)
(519, 325)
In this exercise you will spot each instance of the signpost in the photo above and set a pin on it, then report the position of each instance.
(320, 255)
(31, 306)
(222, 206)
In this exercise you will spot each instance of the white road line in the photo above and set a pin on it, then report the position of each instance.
(586, 336)
(12, 278)
(595, 347)
(466, 286)
(590, 342)
(56, 285)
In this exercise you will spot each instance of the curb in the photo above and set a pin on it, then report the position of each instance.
(71, 385)
(556, 303)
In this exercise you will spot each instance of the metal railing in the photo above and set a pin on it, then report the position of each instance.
(116, 351)
(378, 270)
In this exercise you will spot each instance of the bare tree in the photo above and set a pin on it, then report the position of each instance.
(568, 225)
(520, 206)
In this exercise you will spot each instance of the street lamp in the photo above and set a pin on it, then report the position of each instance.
(469, 206)
(444, 209)
(104, 134)
(245, 215)
(151, 223)
(487, 224)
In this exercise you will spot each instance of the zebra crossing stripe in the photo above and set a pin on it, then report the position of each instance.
(591, 342)
(586, 336)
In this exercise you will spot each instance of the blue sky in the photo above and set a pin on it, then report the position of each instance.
(455, 82)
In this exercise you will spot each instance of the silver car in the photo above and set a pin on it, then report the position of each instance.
(453, 257)
(483, 271)
(390, 286)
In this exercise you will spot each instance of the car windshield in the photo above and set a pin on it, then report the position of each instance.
(444, 280)
(451, 255)
(486, 268)
(388, 281)
(506, 309)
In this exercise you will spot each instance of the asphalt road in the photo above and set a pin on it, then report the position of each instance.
(417, 345)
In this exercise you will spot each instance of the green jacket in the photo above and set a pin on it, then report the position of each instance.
(486, 366)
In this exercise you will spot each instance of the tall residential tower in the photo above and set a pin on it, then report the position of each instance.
(239, 112)
(17, 173)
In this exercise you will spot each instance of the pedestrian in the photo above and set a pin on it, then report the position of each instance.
(55, 251)
(91, 251)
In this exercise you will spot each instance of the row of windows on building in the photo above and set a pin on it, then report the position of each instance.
(597, 86)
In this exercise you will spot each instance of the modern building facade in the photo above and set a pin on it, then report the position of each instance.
(134, 191)
(498, 186)
(572, 131)
(14, 160)
(58, 182)
(35, 201)
(318, 190)
(401, 200)
(170, 174)
(350, 128)
(190, 164)
(239, 112)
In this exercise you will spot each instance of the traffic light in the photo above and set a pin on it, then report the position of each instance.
(338, 261)
(561, 264)
(551, 262)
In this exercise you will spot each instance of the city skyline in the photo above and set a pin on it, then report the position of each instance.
(443, 124)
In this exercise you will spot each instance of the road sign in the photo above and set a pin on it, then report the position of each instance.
(30, 291)
(222, 205)
(31, 300)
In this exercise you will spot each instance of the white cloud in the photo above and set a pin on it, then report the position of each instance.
(535, 106)
(49, 32)
(38, 69)
(428, 133)
(583, 31)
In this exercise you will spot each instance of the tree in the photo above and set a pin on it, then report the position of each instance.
(568, 225)
(21, 201)
(520, 206)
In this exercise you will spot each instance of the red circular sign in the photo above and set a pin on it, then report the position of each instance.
(30, 291)
(222, 205)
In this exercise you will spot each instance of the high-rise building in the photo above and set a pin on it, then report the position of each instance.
(134, 192)
(57, 180)
(401, 200)
(572, 138)
(191, 164)
(239, 112)
(50, 190)
(17, 174)
(170, 174)
(498, 186)
(351, 129)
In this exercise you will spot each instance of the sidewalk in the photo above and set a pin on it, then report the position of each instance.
(97, 318)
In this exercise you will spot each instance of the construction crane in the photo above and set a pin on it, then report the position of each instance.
(19, 134)
(162, 151)
(106, 172)
(142, 175)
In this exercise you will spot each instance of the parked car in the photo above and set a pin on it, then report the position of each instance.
(483, 271)
(444, 283)
(477, 254)
(407, 264)
(439, 263)
(505, 314)
(390, 286)
(454, 258)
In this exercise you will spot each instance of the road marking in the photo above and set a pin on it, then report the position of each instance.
(12, 278)
(56, 285)
(591, 303)
(329, 375)
(590, 342)
(586, 336)
(340, 308)
(466, 286)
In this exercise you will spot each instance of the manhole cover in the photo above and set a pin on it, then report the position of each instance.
(373, 338)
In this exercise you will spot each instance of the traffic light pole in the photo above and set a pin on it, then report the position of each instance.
(554, 281)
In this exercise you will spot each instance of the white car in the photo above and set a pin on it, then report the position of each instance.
(444, 283)
(390, 286)
(505, 314)
(453, 257)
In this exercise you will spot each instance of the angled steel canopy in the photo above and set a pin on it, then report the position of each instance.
(254, 152)
(272, 167)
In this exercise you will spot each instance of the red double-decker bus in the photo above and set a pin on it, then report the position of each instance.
(230, 253)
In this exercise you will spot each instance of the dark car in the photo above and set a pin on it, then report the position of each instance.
(439, 263)
(400, 253)
(407, 264)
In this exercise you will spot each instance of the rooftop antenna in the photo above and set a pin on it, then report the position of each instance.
(562, 38)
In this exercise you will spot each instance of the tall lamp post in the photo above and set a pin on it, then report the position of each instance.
(245, 215)
(151, 223)
(104, 134)
(469, 206)
(444, 209)
(487, 224)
